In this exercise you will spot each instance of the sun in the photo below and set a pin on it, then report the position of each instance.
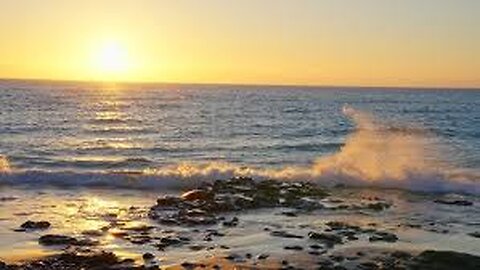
(111, 60)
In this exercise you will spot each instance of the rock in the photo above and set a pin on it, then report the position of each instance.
(196, 247)
(148, 256)
(401, 254)
(454, 202)
(262, 256)
(328, 239)
(168, 201)
(3, 266)
(289, 213)
(35, 225)
(197, 194)
(383, 236)
(378, 206)
(475, 234)
(232, 223)
(338, 225)
(188, 265)
(285, 234)
(293, 248)
(52, 239)
(368, 266)
(445, 260)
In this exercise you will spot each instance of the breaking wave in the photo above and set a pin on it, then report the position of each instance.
(377, 154)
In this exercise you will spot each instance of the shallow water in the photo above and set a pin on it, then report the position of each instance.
(73, 212)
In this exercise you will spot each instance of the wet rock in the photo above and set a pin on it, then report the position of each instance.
(293, 247)
(475, 234)
(148, 256)
(368, 266)
(401, 254)
(289, 213)
(196, 247)
(262, 256)
(378, 206)
(35, 225)
(93, 232)
(454, 202)
(285, 234)
(232, 223)
(72, 261)
(188, 265)
(171, 241)
(52, 239)
(328, 239)
(201, 206)
(197, 194)
(338, 225)
(383, 236)
(168, 201)
(443, 260)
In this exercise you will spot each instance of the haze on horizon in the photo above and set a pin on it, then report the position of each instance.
(337, 42)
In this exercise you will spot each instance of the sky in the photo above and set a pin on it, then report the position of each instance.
(337, 42)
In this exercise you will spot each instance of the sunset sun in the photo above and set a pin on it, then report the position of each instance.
(111, 60)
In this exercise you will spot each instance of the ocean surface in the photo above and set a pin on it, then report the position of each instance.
(152, 136)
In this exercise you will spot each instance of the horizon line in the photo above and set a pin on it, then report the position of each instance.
(359, 86)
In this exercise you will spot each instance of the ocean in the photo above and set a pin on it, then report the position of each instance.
(92, 134)
(397, 169)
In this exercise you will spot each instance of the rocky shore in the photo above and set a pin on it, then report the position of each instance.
(204, 218)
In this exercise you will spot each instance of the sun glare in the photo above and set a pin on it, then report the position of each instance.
(111, 60)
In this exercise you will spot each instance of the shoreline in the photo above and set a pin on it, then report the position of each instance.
(239, 222)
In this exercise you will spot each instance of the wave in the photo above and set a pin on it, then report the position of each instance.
(376, 154)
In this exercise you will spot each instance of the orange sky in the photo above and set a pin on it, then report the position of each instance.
(341, 42)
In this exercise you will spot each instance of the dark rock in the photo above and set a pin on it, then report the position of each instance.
(72, 261)
(148, 256)
(232, 223)
(188, 265)
(52, 239)
(285, 234)
(383, 236)
(35, 225)
(197, 194)
(454, 202)
(368, 266)
(262, 256)
(168, 201)
(445, 260)
(475, 234)
(378, 206)
(401, 254)
(289, 213)
(328, 239)
(293, 248)
(338, 225)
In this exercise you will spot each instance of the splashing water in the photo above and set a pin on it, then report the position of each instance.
(376, 154)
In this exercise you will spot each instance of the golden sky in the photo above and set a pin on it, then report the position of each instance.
(337, 42)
